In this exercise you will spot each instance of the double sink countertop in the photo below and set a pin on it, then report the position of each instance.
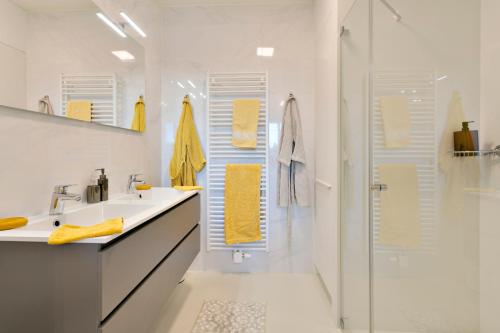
(134, 210)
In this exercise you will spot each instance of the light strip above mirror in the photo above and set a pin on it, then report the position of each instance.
(111, 25)
(133, 24)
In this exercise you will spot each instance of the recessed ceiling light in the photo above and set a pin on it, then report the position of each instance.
(111, 25)
(133, 24)
(265, 51)
(180, 85)
(191, 84)
(124, 55)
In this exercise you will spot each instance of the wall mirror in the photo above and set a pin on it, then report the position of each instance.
(68, 59)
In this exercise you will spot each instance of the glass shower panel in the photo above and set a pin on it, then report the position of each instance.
(425, 81)
(354, 196)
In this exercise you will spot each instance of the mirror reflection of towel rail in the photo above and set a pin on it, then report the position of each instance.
(323, 183)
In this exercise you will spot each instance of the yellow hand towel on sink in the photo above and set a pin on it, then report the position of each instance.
(245, 122)
(69, 233)
(188, 188)
(12, 223)
(143, 187)
(242, 203)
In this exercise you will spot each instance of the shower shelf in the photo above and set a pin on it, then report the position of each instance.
(476, 153)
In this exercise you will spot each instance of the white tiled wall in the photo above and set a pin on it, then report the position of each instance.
(39, 151)
(199, 39)
(13, 31)
(490, 137)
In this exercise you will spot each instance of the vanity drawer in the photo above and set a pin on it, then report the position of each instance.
(143, 306)
(128, 261)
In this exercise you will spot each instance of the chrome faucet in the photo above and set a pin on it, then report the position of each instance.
(132, 181)
(59, 196)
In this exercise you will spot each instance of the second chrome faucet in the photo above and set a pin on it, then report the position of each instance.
(133, 181)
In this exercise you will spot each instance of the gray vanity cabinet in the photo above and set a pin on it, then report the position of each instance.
(105, 288)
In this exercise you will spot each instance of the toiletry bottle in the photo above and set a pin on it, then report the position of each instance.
(466, 140)
(103, 184)
(93, 193)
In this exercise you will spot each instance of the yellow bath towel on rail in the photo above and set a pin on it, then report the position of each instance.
(242, 203)
(70, 233)
(399, 206)
(245, 122)
(80, 110)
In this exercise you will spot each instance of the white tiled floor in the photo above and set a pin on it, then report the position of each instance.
(295, 302)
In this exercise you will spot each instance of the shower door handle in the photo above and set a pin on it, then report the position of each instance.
(379, 187)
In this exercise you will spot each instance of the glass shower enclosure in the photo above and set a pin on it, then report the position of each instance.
(410, 205)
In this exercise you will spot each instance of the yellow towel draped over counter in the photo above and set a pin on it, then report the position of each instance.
(79, 110)
(139, 121)
(12, 223)
(245, 122)
(242, 203)
(188, 157)
(70, 233)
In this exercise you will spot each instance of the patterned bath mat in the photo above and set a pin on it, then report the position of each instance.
(218, 316)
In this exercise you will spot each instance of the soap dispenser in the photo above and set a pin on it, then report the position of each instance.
(466, 140)
(103, 184)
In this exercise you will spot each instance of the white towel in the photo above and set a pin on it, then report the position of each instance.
(44, 106)
(399, 206)
(292, 173)
(396, 118)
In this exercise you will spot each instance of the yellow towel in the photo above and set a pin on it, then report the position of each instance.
(188, 157)
(12, 223)
(69, 233)
(80, 110)
(396, 118)
(143, 187)
(188, 188)
(139, 121)
(245, 122)
(399, 206)
(242, 203)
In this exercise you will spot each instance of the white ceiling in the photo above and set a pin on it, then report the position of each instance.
(62, 5)
(180, 3)
(55, 5)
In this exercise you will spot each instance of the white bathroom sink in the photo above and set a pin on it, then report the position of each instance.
(157, 194)
(134, 210)
(89, 215)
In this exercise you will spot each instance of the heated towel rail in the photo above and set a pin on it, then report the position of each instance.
(223, 88)
(419, 87)
(103, 90)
